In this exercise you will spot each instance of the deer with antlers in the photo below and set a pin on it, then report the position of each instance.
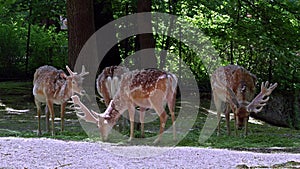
(107, 84)
(149, 88)
(235, 86)
(53, 86)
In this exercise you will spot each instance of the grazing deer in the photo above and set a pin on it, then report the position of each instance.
(108, 83)
(235, 86)
(54, 86)
(149, 88)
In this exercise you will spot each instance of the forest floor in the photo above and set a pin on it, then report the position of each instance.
(266, 146)
(51, 153)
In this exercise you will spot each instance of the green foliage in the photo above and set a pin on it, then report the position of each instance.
(11, 49)
(47, 45)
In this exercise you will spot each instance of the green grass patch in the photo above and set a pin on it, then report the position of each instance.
(19, 94)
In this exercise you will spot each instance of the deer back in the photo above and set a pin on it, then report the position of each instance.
(51, 83)
(235, 78)
(140, 85)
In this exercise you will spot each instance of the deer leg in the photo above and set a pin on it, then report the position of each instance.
(62, 116)
(142, 120)
(47, 118)
(235, 125)
(124, 121)
(131, 112)
(219, 122)
(157, 104)
(218, 105)
(51, 110)
(171, 105)
(163, 118)
(227, 115)
(246, 126)
(38, 107)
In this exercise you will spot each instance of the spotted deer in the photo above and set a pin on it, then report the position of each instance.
(149, 88)
(235, 86)
(107, 84)
(53, 86)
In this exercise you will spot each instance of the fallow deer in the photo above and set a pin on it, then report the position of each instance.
(54, 86)
(235, 86)
(149, 88)
(108, 83)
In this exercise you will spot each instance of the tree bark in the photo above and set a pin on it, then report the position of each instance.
(103, 14)
(81, 26)
(146, 41)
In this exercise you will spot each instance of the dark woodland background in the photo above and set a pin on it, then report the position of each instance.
(261, 35)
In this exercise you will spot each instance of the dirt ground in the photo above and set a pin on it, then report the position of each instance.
(49, 153)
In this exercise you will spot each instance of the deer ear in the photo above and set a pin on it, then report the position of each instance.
(62, 75)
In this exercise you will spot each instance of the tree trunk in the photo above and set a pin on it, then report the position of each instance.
(80, 15)
(146, 41)
(28, 45)
(103, 14)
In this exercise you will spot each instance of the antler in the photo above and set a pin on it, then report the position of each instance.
(70, 71)
(89, 116)
(83, 72)
(258, 102)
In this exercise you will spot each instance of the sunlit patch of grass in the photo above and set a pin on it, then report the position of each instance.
(260, 136)
(66, 135)
(24, 125)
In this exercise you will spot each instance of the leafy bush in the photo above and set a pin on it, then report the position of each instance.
(46, 47)
(12, 50)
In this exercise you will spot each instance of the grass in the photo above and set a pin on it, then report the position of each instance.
(260, 137)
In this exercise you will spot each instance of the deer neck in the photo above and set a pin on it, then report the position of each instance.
(64, 89)
(113, 114)
(116, 108)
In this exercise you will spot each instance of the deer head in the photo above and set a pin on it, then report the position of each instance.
(235, 86)
(243, 108)
(75, 80)
(103, 120)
